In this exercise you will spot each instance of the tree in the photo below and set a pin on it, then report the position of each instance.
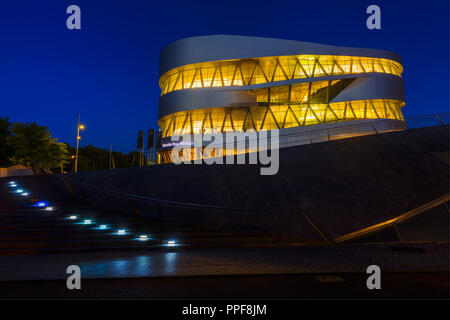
(5, 149)
(35, 148)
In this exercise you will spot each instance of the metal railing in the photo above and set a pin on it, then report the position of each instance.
(343, 130)
(395, 221)
(365, 128)
(157, 205)
(232, 212)
(418, 121)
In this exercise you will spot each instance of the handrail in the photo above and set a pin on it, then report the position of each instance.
(385, 224)
(376, 121)
(179, 204)
(176, 203)
(352, 235)
(355, 125)
(342, 238)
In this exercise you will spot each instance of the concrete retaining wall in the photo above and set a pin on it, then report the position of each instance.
(341, 186)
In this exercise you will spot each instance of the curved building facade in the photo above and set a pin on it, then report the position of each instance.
(217, 84)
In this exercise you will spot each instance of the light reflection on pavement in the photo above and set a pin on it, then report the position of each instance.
(224, 261)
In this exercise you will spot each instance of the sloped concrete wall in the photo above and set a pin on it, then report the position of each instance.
(341, 185)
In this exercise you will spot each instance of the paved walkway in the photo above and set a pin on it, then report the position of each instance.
(229, 261)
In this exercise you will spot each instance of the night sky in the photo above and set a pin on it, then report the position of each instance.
(108, 70)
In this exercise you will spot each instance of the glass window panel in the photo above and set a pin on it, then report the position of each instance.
(288, 68)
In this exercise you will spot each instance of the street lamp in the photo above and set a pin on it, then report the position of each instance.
(79, 127)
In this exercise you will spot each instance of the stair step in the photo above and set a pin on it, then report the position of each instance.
(28, 229)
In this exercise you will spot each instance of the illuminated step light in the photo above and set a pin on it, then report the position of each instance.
(103, 227)
(19, 190)
(13, 185)
(143, 237)
(87, 221)
(72, 217)
(41, 204)
(48, 209)
(12, 182)
(121, 232)
(25, 193)
(171, 243)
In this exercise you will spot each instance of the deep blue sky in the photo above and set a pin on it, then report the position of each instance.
(108, 70)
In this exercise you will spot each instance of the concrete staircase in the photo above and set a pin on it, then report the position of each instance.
(26, 228)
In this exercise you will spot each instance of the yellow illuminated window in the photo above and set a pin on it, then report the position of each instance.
(270, 69)
(276, 116)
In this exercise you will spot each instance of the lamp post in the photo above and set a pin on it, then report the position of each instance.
(79, 127)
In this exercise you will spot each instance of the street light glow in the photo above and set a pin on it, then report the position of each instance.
(79, 127)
